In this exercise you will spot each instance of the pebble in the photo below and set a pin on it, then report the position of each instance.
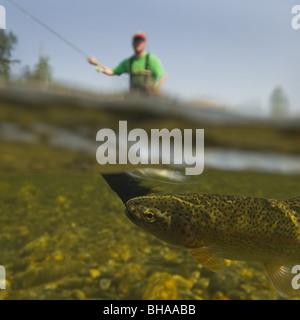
(222, 282)
(160, 286)
(105, 283)
(78, 294)
(95, 273)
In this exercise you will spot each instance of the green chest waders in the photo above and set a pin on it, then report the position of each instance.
(141, 81)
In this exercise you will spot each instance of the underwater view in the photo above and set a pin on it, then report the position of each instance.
(64, 233)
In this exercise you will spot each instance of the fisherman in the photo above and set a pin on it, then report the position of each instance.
(146, 71)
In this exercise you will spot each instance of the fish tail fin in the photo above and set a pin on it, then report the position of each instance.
(294, 202)
(281, 277)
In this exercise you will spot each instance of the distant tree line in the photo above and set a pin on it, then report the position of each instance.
(7, 43)
(41, 72)
(279, 103)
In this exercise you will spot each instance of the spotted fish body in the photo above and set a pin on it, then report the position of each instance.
(216, 227)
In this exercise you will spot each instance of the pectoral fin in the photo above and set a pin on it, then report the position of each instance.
(281, 278)
(208, 257)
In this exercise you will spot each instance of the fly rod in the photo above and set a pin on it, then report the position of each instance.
(44, 25)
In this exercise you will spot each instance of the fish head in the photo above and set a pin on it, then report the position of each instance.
(160, 216)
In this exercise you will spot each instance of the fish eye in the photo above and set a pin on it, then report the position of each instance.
(149, 216)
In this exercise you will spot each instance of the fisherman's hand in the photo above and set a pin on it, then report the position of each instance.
(92, 60)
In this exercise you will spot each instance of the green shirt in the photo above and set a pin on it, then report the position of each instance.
(138, 65)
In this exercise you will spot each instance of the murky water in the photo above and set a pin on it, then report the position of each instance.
(63, 231)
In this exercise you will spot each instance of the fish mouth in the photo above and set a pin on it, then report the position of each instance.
(129, 215)
(127, 211)
(131, 212)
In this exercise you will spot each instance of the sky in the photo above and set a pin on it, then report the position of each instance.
(235, 52)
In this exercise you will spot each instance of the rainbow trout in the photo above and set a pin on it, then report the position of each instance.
(216, 227)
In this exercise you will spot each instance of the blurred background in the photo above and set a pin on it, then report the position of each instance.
(238, 54)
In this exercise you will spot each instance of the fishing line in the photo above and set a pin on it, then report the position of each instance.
(41, 23)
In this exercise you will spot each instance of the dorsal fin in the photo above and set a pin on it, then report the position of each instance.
(127, 186)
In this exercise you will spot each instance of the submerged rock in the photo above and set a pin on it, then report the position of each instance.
(161, 286)
(222, 282)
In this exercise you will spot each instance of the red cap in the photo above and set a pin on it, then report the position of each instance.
(140, 35)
